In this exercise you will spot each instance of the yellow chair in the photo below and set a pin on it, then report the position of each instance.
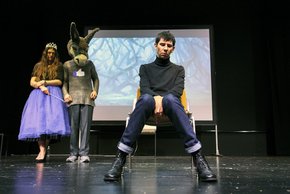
(154, 121)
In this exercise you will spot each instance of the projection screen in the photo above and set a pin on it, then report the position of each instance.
(118, 53)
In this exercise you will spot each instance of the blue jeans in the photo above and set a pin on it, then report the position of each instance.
(173, 108)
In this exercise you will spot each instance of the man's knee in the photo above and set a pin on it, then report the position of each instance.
(169, 100)
(169, 97)
(147, 100)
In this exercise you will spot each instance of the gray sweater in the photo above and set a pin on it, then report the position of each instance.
(79, 82)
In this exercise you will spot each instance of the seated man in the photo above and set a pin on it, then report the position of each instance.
(161, 85)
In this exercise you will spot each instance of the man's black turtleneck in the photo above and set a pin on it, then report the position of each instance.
(161, 77)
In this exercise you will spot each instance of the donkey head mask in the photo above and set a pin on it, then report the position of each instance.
(78, 46)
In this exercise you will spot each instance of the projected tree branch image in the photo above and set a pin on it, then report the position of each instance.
(118, 54)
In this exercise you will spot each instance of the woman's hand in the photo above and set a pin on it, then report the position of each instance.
(44, 89)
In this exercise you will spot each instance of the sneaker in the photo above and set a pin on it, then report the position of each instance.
(84, 159)
(72, 159)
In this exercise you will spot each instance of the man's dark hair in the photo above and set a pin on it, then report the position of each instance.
(166, 35)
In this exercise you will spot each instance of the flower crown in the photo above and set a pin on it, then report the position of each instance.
(51, 45)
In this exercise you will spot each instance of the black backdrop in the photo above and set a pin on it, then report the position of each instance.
(251, 44)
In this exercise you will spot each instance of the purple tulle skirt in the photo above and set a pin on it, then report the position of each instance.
(44, 115)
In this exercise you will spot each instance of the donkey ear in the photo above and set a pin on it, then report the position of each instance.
(90, 35)
(74, 34)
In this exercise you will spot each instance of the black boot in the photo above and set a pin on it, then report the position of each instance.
(114, 174)
(205, 173)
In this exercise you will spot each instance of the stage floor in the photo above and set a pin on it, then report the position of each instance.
(162, 175)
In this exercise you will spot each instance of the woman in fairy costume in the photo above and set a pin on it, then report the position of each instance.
(45, 116)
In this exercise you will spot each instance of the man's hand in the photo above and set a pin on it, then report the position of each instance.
(93, 95)
(68, 98)
(158, 105)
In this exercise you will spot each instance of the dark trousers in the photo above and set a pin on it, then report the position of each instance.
(173, 108)
(81, 119)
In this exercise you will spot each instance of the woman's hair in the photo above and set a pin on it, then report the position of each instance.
(46, 69)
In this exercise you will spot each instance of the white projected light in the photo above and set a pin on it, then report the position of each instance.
(118, 54)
